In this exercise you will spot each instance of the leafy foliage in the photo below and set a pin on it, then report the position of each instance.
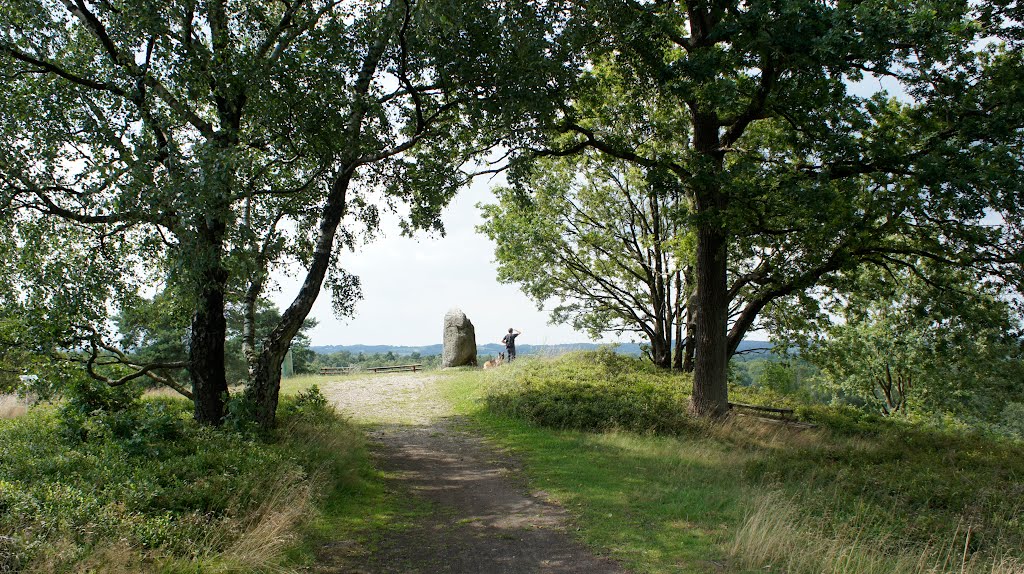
(200, 146)
(868, 134)
(606, 240)
(928, 345)
(595, 391)
(151, 482)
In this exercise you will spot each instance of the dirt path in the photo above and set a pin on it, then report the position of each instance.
(482, 517)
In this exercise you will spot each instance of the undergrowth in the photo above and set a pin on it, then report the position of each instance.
(142, 487)
(593, 391)
(856, 493)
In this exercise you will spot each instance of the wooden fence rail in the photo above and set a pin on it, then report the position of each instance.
(336, 370)
(393, 368)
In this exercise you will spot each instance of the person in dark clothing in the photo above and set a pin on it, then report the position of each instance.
(510, 343)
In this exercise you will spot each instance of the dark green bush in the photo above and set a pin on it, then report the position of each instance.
(309, 404)
(149, 478)
(90, 406)
(594, 391)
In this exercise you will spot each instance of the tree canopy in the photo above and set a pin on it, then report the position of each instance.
(197, 145)
(191, 147)
(607, 241)
(809, 139)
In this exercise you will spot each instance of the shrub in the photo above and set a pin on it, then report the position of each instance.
(309, 404)
(88, 403)
(594, 391)
(150, 485)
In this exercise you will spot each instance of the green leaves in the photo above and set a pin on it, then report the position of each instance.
(601, 240)
(949, 341)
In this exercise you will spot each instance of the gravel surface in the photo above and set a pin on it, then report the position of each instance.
(482, 517)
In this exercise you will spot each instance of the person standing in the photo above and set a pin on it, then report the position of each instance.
(510, 343)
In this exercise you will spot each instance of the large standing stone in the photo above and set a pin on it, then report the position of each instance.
(459, 340)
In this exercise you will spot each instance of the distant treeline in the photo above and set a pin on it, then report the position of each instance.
(311, 359)
(491, 349)
(365, 360)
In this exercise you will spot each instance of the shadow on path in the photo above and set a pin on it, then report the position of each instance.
(482, 517)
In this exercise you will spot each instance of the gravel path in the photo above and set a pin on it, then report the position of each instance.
(483, 519)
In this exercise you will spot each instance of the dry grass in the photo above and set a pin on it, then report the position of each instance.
(765, 433)
(272, 528)
(116, 558)
(11, 406)
(773, 537)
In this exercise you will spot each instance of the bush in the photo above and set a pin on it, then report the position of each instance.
(90, 406)
(309, 404)
(160, 488)
(594, 391)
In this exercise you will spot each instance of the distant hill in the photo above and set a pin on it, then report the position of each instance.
(752, 347)
(490, 348)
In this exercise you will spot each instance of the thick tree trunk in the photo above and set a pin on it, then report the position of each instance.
(206, 344)
(710, 374)
(264, 387)
(711, 302)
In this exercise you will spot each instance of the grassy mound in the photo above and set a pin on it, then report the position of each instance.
(855, 494)
(593, 391)
(146, 489)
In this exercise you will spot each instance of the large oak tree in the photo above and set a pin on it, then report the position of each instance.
(797, 164)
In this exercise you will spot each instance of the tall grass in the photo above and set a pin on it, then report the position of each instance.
(170, 496)
(854, 494)
(775, 535)
(11, 406)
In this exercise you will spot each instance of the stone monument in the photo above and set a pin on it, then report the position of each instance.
(459, 340)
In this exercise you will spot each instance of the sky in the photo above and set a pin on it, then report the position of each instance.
(410, 283)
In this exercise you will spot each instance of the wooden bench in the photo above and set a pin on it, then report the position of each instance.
(336, 370)
(772, 410)
(394, 368)
(770, 414)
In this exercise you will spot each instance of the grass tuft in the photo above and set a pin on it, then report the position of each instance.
(272, 527)
(774, 534)
(10, 407)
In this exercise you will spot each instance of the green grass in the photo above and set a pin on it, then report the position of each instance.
(292, 385)
(146, 489)
(624, 489)
(356, 515)
(854, 495)
(657, 492)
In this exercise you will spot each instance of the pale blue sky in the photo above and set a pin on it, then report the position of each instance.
(410, 283)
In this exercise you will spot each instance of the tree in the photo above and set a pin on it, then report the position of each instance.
(906, 344)
(606, 239)
(793, 174)
(154, 329)
(200, 144)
